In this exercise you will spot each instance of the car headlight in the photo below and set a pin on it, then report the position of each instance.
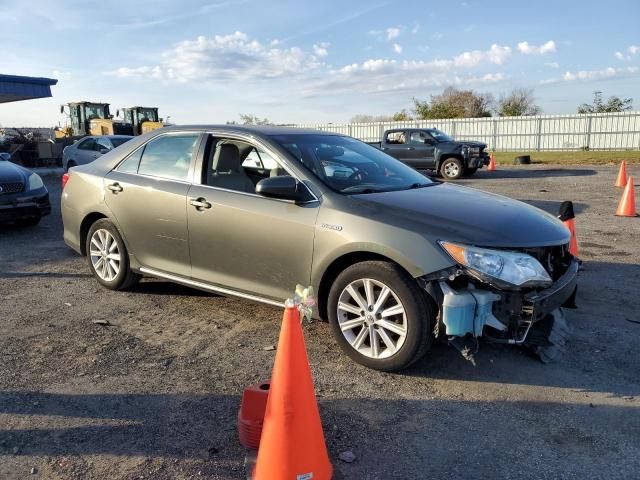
(518, 269)
(35, 182)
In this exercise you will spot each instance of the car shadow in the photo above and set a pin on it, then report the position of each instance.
(534, 173)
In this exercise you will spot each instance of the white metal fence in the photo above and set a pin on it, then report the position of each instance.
(602, 131)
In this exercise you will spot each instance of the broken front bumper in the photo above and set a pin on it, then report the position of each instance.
(537, 305)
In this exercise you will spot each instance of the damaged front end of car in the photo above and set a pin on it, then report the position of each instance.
(509, 296)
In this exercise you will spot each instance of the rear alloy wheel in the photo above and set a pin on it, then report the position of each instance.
(107, 256)
(379, 316)
(451, 169)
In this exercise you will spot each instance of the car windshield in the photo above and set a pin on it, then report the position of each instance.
(439, 135)
(350, 166)
(119, 141)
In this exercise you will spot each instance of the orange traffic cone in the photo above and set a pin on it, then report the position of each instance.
(566, 215)
(292, 443)
(621, 181)
(627, 205)
(492, 164)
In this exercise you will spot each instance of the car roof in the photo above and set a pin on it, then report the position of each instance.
(265, 130)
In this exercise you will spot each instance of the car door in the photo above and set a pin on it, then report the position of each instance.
(245, 242)
(147, 194)
(396, 144)
(422, 155)
(86, 151)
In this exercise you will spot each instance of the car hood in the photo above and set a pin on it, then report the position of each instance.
(12, 173)
(470, 143)
(466, 215)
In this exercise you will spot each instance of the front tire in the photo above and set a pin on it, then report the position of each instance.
(451, 169)
(379, 316)
(108, 258)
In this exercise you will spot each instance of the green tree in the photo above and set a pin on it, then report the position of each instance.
(519, 102)
(454, 103)
(401, 116)
(613, 104)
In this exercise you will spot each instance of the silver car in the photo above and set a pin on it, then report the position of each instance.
(87, 149)
(395, 258)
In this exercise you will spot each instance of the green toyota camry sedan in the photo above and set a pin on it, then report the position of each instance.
(395, 258)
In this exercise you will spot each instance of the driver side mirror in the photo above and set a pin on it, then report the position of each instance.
(284, 187)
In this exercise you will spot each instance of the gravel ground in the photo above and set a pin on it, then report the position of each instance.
(155, 395)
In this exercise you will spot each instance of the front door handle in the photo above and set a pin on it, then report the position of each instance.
(410, 148)
(200, 203)
(115, 187)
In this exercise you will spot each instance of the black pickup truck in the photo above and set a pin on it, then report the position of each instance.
(429, 148)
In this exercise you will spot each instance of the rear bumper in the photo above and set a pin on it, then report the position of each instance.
(24, 206)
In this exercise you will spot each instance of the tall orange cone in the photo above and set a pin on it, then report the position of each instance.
(292, 443)
(492, 163)
(627, 206)
(567, 216)
(621, 181)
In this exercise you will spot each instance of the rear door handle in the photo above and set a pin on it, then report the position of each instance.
(200, 203)
(410, 148)
(115, 187)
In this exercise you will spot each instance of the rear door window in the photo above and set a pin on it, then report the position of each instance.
(169, 156)
(396, 138)
(88, 144)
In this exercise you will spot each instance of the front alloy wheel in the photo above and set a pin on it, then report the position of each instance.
(372, 318)
(379, 315)
(451, 169)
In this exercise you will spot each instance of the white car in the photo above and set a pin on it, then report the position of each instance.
(87, 149)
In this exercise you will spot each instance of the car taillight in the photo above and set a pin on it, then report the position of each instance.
(65, 179)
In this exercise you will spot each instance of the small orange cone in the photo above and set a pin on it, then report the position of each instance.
(627, 205)
(621, 181)
(292, 444)
(492, 164)
(566, 215)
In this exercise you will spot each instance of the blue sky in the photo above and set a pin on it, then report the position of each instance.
(321, 61)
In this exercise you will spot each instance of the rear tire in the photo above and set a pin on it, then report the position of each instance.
(451, 169)
(400, 319)
(108, 258)
(470, 171)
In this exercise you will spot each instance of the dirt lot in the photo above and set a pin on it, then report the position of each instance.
(156, 394)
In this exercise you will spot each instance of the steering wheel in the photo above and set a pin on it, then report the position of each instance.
(358, 173)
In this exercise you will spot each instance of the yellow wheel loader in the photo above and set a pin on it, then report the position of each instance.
(141, 119)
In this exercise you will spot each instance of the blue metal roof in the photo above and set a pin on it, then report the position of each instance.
(14, 87)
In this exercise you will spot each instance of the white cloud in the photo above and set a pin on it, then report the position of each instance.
(416, 28)
(496, 54)
(397, 48)
(437, 36)
(234, 56)
(552, 64)
(548, 47)
(608, 72)
(393, 32)
(321, 49)
(633, 49)
(619, 55)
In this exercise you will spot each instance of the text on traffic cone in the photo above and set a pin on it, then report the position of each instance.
(292, 444)
(627, 206)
